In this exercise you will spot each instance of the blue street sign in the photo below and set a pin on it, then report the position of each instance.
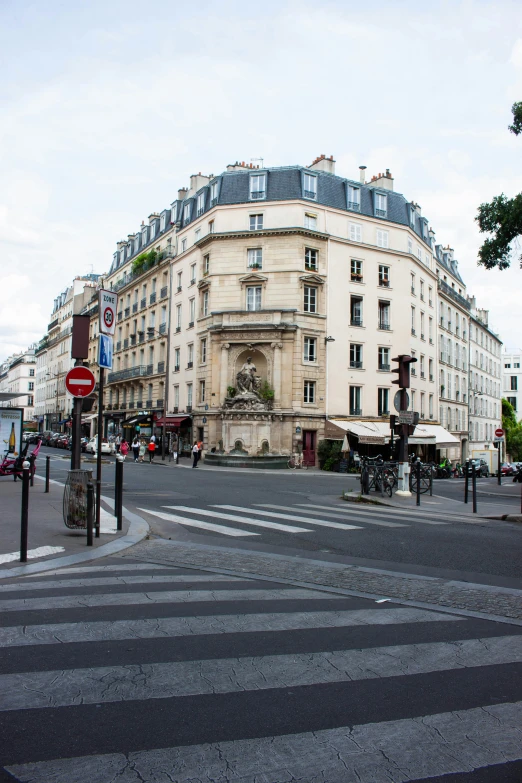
(105, 351)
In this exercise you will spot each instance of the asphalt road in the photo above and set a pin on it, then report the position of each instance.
(300, 513)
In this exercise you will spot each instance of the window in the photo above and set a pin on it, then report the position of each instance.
(309, 186)
(356, 304)
(430, 365)
(309, 392)
(183, 245)
(384, 315)
(310, 349)
(178, 278)
(310, 299)
(355, 401)
(30, 385)
(186, 213)
(204, 303)
(413, 367)
(384, 359)
(412, 276)
(383, 401)
(197, 235)
(517, 365)
(513, 402)
(176, 397)
(253, 297)
(192, 274)
(214, 194)
(192, 311)
(422, 373)
(203, 350)
(356, 275)
(422, 326)
(430, 406)
(256, 222)
(410, 245)
(430, 296)
(210, 226)
(382, 238)
(356, 356)
(201, 204)
(31, 373)
(381, 204)
(30, 399)
(355, 232)
(354, 198)
(430, 330)
(257, 186)
(310, 221)
(513, 381)
(189, 395)
(190, 355)
(413, 321)
(202, 391)
(255, 258)
(178, 318)
(310, 258)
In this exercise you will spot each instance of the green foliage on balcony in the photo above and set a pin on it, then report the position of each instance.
(144, 262)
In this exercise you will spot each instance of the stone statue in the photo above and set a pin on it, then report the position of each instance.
(246, 379)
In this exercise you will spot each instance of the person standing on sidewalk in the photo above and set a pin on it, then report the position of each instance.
(195, 454)
(136, 448)
(152, 448)
(200, 449)
(124, 448)
(143, 449)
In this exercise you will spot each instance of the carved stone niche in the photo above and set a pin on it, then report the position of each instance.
(246, 381)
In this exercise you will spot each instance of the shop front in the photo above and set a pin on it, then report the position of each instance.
(178, 434)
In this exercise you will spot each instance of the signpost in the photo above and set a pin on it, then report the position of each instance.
(107, 309)
(80, 382)
(108, 306)
(499, 440)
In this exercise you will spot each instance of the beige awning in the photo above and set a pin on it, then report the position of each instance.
(378, 432)
(434, 434)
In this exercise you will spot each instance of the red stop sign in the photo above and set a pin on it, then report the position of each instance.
(80, 381)
(499, 433)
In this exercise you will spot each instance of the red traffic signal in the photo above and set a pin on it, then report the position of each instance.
(403, 370)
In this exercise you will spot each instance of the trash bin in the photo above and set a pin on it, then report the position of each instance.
(75, 499)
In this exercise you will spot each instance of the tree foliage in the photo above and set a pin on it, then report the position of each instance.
(501, 218)
(513, 430)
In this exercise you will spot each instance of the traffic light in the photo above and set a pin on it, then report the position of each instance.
(403, 370)
(395, 427)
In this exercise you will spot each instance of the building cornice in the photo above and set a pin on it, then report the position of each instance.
(268, 232)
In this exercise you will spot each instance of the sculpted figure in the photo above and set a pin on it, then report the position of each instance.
(246, 377)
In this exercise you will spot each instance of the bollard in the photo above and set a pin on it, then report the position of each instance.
(474, 486)
(431, 481)
(47, 472)
(118, 493)
(418, 471)
(25, 512)
(466, 481)
(90, 512)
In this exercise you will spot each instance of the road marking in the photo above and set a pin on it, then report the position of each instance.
(426, 746)
(226, 531)
(63, 633)
(293, 517)
(41, 551)
(244, 520)
(137, 682)
(106, 581)
(103, 568)
(381, 523)
(374, 512)
(160, 597)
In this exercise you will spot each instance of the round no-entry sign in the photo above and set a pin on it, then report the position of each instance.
(80, 381)
(499, 433)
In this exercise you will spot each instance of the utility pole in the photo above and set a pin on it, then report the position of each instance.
(403, 381)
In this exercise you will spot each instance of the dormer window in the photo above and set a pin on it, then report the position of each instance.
(137, 243)
(129, 250)
(424, 230)
(144, 233)
(354, 198)
(381, 205)
(186, 213)
(163, 221)
(152, 230)
(257, 186)
(412, 217)
(174, 212)
(214, 193)
(310, 186)
(201, 203)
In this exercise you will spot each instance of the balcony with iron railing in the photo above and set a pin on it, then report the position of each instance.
(152, 297)
(381, 213)
(130, 372)
(452, 294)
(126, 343)
(356, 320)
(384, 325)
(143, 302)
(164, 292)
(135, 307)
(354, 206)
(384, 367)
(355, 411)
(148, 404)
(161, 367)
(356, 365)
(127, 312)
(159, 403)
(163, 328)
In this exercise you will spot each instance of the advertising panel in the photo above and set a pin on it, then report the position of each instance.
(11, 423)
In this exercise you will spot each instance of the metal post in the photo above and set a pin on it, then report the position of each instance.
(90, 511)
(25, 512)
(76, 453)
(99, 453)
(431, 481)
(474, 486)
(118, 492)
(466, 481)
(499, 463)
(47, 472)
(418, 471)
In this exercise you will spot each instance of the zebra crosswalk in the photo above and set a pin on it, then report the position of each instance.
(160, 674)
(297, 519)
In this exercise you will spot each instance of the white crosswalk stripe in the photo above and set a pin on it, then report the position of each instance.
(222, 693)
(244, 520)
(226, 531)
(294, 518)
(332, 513)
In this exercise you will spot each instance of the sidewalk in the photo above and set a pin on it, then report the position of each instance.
(48, 536)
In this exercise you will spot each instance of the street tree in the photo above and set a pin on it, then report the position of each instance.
(513, 430)
(501, 218)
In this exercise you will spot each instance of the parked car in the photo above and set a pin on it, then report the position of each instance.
(53, 440)
(506, 469)
(481, 468)
(106, 447)
(83, 444)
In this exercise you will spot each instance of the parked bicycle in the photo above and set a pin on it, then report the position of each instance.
(296, 462)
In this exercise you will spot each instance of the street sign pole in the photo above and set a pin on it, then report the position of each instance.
(99, 453)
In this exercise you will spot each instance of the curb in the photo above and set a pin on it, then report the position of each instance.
(138, 530)
(508, 518)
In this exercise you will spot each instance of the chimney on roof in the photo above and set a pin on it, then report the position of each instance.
(362, 174)
(153, 216)
(322, 163)
(197, 181)
(182, 192)
(237, 166)
(383, 181)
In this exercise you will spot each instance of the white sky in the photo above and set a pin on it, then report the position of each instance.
(108, 107)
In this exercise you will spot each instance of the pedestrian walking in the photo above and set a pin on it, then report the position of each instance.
(143, 449)
(152, 448)
(136, 448)
(195, 453)
(118, 444)
(124, 448)
(200, 449)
